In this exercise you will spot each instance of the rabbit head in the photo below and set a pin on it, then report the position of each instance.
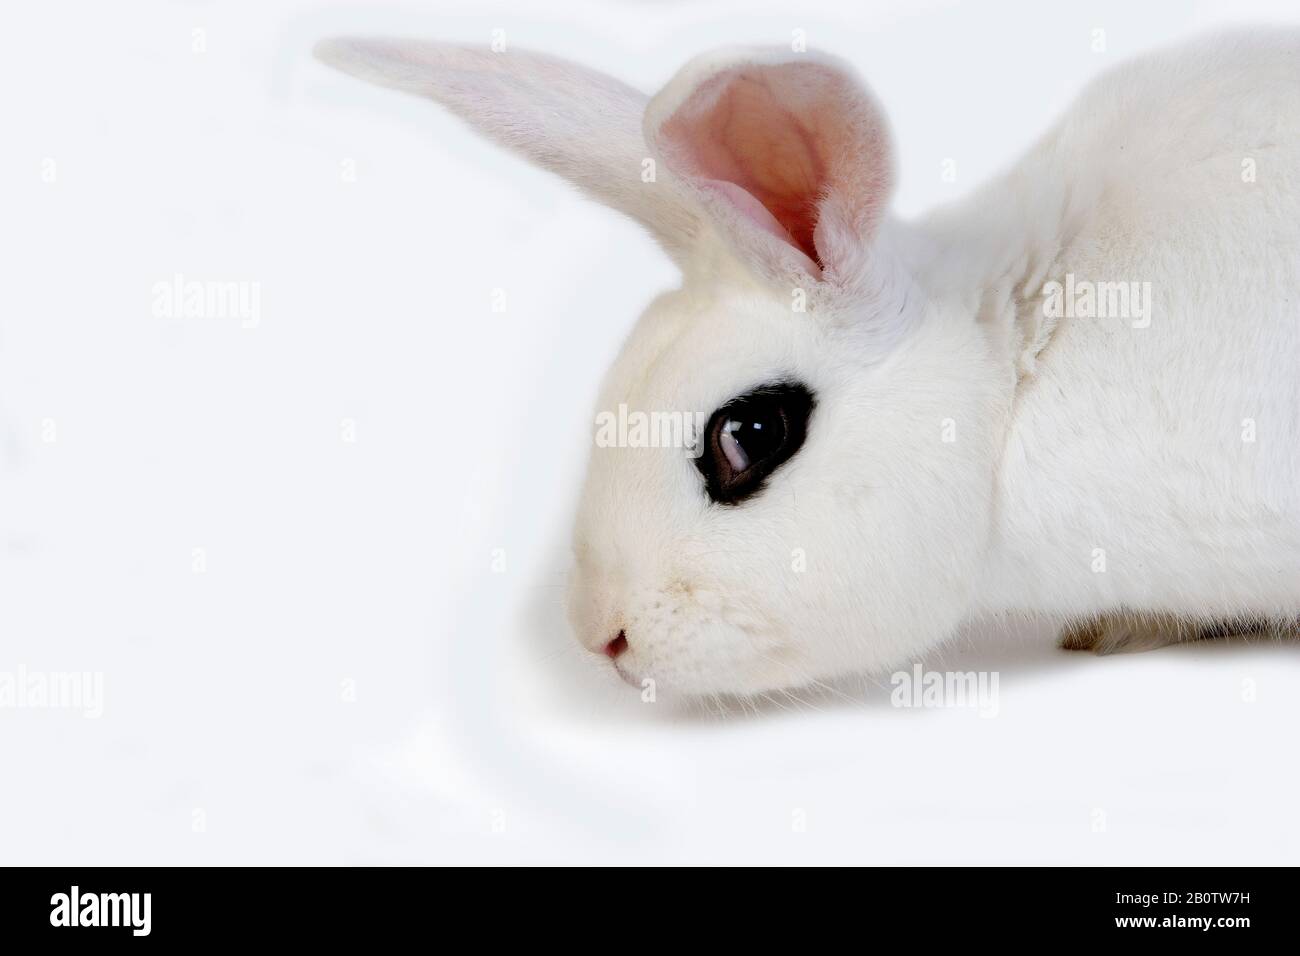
(827, 508)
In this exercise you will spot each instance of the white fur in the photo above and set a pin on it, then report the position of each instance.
(1074, 437)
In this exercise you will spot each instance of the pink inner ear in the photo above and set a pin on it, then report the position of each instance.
(769, 138)
(753, 211)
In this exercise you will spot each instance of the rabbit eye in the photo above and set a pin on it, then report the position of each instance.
(750, 436)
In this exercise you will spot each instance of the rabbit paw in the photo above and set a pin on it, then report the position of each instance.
(1128, 633)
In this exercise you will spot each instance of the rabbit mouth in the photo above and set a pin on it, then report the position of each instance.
(683, 637)
(626, 676)
(708, 656)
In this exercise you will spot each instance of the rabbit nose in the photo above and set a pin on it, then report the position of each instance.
(617, 646)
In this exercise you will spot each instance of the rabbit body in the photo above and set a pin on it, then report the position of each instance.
(1075, 393)
(1158, 448)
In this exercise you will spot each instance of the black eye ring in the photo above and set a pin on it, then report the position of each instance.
(750, 437)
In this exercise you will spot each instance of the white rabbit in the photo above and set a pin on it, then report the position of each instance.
(1076, 393)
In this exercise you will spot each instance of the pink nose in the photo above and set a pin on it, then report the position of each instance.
(617, 646)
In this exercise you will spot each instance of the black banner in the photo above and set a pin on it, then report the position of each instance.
(335, 906)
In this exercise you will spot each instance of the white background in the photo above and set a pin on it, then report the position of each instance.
(478, 731)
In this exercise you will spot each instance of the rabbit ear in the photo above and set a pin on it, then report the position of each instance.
(583, 125)
(788, 152)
